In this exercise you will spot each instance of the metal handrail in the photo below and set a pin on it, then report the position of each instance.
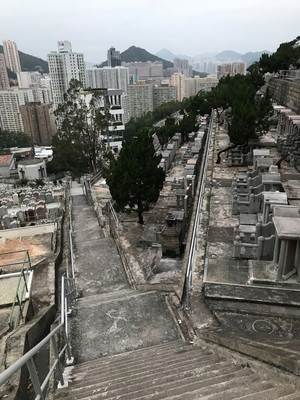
(114, 214)
(71, 239)
(68, 294)
(22, 287)
(189, 270)
(290, 73)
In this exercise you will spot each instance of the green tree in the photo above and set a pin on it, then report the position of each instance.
(134, 178)
(188, 125)
(14, 139)
(78, 147)
(286, 56)
(165, 132)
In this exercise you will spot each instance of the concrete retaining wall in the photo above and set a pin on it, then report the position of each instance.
(258, 294)
(286, 92)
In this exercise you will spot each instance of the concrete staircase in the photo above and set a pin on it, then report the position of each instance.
(172, 371)
(272, 349)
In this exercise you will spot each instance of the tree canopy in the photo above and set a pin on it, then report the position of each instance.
(249, 112)
(134, 178)
(14, 139)
(83, 119)
(285, 57)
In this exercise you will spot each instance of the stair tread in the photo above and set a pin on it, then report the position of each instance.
(201, 372)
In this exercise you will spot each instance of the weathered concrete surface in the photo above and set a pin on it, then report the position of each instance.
(126, 322)
(110, 317)
(280, 352)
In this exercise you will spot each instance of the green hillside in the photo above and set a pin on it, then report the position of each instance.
(134, 53)
(31, 63)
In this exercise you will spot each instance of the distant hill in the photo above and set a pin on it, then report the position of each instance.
(31, 63)
(166, 55)
(228, 55)
(134, 53)
(252, 57)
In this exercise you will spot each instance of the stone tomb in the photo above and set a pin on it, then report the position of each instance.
(287, 247)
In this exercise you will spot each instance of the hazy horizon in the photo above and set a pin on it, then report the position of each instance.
(190, 29)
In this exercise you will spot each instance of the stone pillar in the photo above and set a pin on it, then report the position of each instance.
(297, 260)
(260, 247)
(276, 250)
(266, 212)
(282, 259)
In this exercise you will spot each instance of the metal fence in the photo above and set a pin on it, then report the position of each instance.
(68, 296)
(289, 74)
(22, 292)
(193, 243)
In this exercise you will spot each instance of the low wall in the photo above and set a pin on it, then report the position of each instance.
(33, 332)
(28, 231)
(285, 92)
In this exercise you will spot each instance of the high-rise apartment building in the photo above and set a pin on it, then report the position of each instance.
(65, 65)
(182, 66)
(45, 90)
(10, 101)
(108, 78)
(38, 122)
(4, 81)
(177, 80)
(28, 78)
(11, 55)
(145, 70)
(163, 94)
(113, 57)
(231, 69)
(140, 99)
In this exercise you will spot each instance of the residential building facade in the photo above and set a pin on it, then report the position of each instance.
(182, 66)
(10, 114)
(11, 56)
(108, 77)
(65, 65)
(163, 94)
(4, 81)
(38, 122)
(231, 69)
(140, 99)
(113, 58)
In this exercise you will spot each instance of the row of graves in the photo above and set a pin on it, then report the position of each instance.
(26, 206)
(263, 271)
(288, 135)
(168, 221)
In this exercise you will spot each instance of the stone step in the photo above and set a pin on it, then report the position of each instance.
(262, 390)
(273, 350)
(116, 373)
(175, 374)
(106, 297)
(154, 390)
(292, 396)
(165, 354)
(133, 355)
(213, 386)
(202, 368)
(284, 392)
(176, 381)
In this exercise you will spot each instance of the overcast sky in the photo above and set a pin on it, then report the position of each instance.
(187, 27)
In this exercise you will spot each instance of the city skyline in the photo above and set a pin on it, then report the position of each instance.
(190, 29)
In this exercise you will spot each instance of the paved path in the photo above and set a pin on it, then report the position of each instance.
(110, 317)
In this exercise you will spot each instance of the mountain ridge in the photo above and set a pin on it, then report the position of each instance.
(31, 63)
(224, 55)
(134, 53)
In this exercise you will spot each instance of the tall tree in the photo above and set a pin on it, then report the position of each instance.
(83, 119)
(134, 178)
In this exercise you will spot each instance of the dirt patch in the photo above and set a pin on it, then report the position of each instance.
(37, 247)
